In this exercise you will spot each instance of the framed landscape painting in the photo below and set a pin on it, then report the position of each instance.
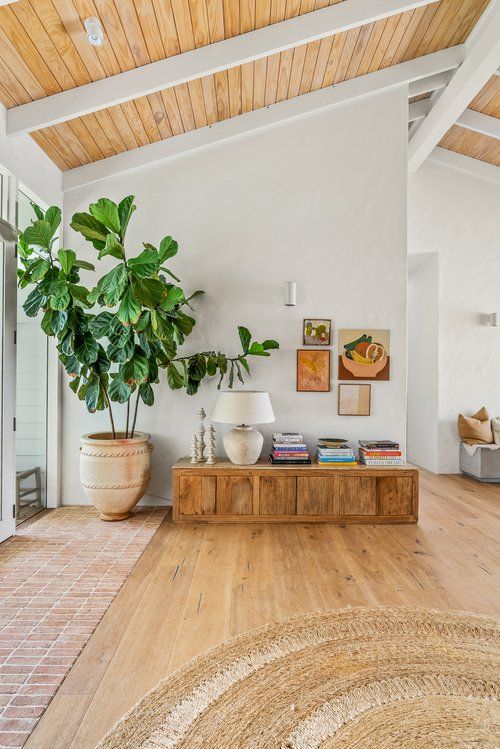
(364, 354)
(313, 371)
(354, 400)
(317, 332)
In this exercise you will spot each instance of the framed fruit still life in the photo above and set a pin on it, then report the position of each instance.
(317, 332)
(364, 354)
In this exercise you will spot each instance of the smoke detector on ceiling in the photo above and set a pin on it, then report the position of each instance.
(95, 34)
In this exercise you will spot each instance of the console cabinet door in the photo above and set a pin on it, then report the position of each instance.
(357, 496)
(197, 495)
(317, 495)
(395, 495)
(234, 495)
(277, 495)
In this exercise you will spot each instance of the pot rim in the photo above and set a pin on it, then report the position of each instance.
(102, 438)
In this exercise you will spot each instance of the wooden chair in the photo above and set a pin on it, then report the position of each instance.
(21, 493)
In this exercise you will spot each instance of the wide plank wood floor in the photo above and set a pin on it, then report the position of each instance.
(195, 586)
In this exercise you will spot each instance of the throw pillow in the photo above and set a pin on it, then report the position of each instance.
(495, 425)
(475, 429)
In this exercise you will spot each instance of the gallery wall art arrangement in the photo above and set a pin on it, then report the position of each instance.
(364, 354)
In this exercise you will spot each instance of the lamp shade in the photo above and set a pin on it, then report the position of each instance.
(243, 407)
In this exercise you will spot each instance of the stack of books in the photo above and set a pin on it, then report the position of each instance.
(333, 453)
(289, 448)
(380, 453)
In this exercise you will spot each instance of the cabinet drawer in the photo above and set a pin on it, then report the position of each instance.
(317, 495)
(277, 495)
(234, 495)
(197, 495)
(357, 496)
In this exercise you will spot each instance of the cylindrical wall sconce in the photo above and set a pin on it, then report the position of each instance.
(289, 293)
(493, 318)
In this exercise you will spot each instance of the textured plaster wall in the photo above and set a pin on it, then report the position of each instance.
(457, 215)
(321, 200)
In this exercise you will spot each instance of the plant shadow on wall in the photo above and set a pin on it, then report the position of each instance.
(115, 355)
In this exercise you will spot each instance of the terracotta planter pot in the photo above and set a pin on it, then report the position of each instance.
(115, 472)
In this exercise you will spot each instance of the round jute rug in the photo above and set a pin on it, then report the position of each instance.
(357, 678)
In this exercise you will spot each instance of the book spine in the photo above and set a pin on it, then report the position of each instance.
(290, 461)
(335, 452)
(336, 465)
(291, 455)
(289, 448)
(377, 462)
(335, 460)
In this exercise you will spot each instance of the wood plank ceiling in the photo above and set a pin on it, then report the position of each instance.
(474, 144)
(44, 50)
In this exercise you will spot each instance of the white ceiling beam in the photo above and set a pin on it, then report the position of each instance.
(275, 114)
(201, 62)
(482, 58)
(418, 110)
(480, 123)
(7, 2)
(433, 83)
(465, 164)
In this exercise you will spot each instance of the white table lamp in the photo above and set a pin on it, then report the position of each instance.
(243, 444)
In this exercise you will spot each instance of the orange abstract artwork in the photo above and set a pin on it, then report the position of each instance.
(313, 371)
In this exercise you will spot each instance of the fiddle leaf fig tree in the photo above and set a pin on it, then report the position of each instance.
(114, 338)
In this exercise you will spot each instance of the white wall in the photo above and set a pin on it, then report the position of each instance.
(21, 156)
(321, 200)
(456, 214)
(423, 352)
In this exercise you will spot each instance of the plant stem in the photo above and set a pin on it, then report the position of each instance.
(135, 414)
(128, 417)
(110, 409)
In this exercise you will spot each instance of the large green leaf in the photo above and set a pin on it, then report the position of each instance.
(257, 349)
(136, 369)
(37, 210)
(112, 285)
(59, 321)
(39, 269)
(161, 325)
(245, 338)
(149, 291)
(126, 208)
(174, 296)
(112, 247)
(184, 322)
(46, 323)
(270, 344)
(211, 365)
(175, 377)
(146, 264)
(84, 265)
(92, 229)
(67, 259)
(119, 391)
(86, 349)
(101, 324)
(53, 217)
(146, 393)
(39, 234)
(168, 248)
(197, 367)
(92, 392)
(129, 310)
(106, 212)
(120, 354)
(59, 295)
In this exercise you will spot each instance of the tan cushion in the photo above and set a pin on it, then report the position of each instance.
(495, 425)
(475, 429)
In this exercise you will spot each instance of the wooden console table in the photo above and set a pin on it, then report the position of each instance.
(266, 493)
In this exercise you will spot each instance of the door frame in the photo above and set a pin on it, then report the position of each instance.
(8, 236)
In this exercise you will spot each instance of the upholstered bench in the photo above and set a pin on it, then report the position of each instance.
(484, 465)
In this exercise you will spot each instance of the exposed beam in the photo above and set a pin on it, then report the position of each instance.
(480, 123)
(304, 105)
(465, 164)
(482, 58)
(418, 110)
(433, 83)
(203, 61)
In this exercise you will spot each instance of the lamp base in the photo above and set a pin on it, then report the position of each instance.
(243, 445)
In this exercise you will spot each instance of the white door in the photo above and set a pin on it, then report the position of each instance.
(7, 378)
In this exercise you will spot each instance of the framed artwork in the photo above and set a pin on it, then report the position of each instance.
(313, 370)
(364, 354)
(354, 400)
(317, 332)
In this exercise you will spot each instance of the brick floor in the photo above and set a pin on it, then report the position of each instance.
(57, 579)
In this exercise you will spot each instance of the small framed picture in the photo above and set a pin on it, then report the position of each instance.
(313, 370)
(354, 400)
(317, 332)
